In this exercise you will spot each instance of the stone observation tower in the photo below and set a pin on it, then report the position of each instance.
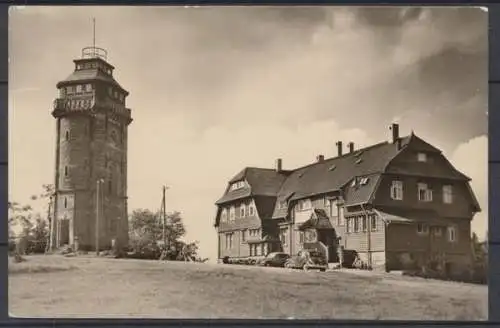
(91, 156)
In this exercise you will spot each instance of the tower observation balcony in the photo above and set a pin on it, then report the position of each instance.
(94, 52)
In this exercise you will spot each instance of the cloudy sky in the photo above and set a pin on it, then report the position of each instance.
(215, 89)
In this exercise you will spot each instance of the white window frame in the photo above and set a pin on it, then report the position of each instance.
(243, 210)
(304, 204)
(284, 236)
(232, 213)
(237, 185)
(427, 192)
(422, 229)
(364, 223)
(397, 190)
(373, 223)
(452, 234)
(243, 236)
(364, 181)
(448, 194)
(223, 215)
(79, 88)
(88, 87)
(422, 157)
(251, 210)
(356, 224)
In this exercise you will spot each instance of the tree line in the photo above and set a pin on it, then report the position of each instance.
(146, 240)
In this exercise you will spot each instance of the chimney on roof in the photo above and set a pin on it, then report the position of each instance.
(320, 158)
(279, 165)
(339, 148)
(351, 147)
(395, 132)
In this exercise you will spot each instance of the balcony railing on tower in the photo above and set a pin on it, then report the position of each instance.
(95, 52)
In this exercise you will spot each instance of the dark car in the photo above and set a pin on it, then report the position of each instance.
(275, 259)
(307, 260)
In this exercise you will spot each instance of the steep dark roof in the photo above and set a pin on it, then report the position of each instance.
(262, 182)
(336, 174)
(87, 75)
(318, 220)
(361, 192)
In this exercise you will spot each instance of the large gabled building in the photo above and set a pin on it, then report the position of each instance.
(393, 202)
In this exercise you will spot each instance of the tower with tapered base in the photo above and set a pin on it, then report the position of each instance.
(90, 201)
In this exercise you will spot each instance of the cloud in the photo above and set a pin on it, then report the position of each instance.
(471, 158)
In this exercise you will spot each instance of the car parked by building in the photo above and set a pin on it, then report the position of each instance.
(275, 259)
(307, 260)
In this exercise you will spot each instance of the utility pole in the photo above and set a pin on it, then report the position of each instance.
(97, 214)
(164, 212)
(49, 213)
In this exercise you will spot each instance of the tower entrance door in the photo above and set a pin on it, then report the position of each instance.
(63, 232)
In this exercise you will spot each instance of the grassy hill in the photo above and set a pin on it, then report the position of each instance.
(55, 286)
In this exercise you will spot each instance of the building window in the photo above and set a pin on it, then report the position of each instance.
(238, 185)
(243, 236)
(341, 213)
(347, 225)
(229, 240)
(66, 135)
(437, 231)
(422, 157)
(452, 234)
(397, 190)
(65, 171)
(422, 229)
(223, 216)
(373, 223)
(301, 237)
(356, 224)
(251, 210)
(364, 181)
(364, 223)
(110, 185)
(304, 204)
(110, 91)
(242, 210)
(447, 194)
(424, 193)
(232, 213)
(284, 236)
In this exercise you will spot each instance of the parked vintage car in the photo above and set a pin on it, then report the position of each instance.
(307, 260)
(275, 259)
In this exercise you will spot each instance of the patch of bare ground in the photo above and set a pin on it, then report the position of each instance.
(98, 287)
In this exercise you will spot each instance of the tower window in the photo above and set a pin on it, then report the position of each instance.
(110, 91)
(88, 87)
(79, 88)
(65, 202)
(65, 171)
(66, 135)
(70, 89)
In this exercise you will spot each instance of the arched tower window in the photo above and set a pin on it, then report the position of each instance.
(66, 135)
(65, 171)
(65, 202)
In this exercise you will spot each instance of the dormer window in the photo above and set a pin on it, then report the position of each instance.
(364, 181)
(304, 204)
(238, 185)
(282, 204)
(422, 157)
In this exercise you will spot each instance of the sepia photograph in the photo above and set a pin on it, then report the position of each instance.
(248, 162)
